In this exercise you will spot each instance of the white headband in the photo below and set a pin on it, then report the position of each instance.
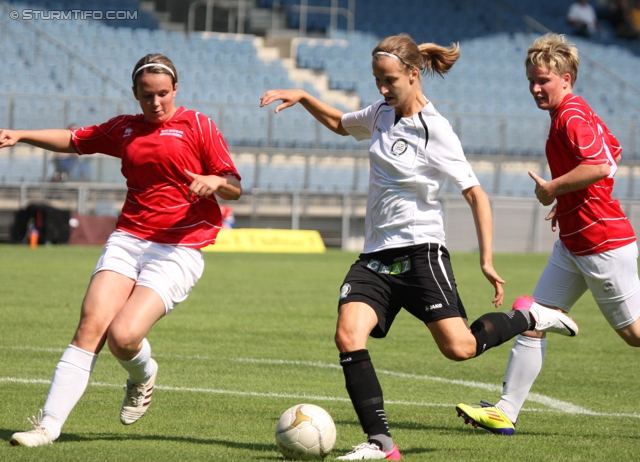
(154, 65)
(384, 53)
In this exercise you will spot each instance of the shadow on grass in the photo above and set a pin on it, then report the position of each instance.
(71, 437)
(88, 437)
(75, 438)
(6, 434)
(468, 430)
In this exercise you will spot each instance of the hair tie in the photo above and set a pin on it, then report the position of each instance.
(153, 65)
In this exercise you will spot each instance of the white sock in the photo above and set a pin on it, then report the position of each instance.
(70, 379)
(140, 368)
(525, 363)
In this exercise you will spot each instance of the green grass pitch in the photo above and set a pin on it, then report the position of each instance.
(256, 337)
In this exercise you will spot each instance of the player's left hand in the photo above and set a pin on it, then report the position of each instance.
(542, 190)
(495, 280)
(553, 218)
(202, 185)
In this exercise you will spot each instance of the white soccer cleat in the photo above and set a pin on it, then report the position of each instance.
(550, 320)
(370, 451)
(137, 399)
(39, 436)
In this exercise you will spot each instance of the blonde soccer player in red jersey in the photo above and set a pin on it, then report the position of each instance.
(596, 249)
(175, 162)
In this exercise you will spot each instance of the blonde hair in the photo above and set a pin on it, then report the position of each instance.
(429, 58)
(556, 54)
(165, 67)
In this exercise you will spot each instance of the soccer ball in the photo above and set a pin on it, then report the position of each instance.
(305, 432)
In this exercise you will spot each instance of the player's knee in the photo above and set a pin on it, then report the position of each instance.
(342, 340)
(346, 340)
(90, 332)
(122, 343)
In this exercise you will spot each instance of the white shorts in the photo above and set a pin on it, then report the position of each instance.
(612, 278)
(170, 270)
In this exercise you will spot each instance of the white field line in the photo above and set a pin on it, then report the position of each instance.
(554, 404)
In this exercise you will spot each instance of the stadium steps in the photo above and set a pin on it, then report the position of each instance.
(318, 80)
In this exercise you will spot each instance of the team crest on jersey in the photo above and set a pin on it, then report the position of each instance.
(399, 147)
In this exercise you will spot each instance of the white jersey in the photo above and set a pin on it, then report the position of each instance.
(409, 161)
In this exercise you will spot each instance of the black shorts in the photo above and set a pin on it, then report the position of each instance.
(417, 278)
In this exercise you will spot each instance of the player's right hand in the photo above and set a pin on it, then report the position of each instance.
(541, 190)
(8, 138)
(288, 98)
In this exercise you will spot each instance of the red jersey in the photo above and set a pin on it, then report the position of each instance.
(590, 220)
(153, 158)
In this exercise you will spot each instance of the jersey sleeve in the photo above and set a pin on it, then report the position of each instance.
(215, 150)
(104, 138)
(610, 139)
(586, 138)
(360, 123)
(448, 155)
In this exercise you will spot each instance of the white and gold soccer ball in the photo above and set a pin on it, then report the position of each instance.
(305, 432)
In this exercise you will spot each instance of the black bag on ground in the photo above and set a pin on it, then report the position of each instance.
(52, 224)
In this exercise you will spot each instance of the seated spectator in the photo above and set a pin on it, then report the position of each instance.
(635, 15)
(583, 19)
(228, 217)
(622, 21)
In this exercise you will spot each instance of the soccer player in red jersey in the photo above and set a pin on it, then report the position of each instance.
(596, 249)
(175, 162)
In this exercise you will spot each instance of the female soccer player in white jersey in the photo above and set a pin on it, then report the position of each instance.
(596, 249)
(405, 263)
(174, 161)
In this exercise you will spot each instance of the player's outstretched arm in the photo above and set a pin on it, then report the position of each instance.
(327, 115)
(53, 140)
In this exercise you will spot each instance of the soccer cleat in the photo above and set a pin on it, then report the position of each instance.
(370, 451)
(38, 436)
(488, 417)
(137, 399)
(523, 303)
(547, 319)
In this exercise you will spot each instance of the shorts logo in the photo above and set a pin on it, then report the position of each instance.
(344, 290)
(127, 132)
(399, 147)
(435, 306)
(608, 286)
(398, 267)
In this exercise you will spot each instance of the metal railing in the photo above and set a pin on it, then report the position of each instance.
(519, 224)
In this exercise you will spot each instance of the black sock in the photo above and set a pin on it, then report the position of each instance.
(493, 329)
(384, 442)
(365, 391)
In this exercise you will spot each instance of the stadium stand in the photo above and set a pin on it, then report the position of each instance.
(74, 70)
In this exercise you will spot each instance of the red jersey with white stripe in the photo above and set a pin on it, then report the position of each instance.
(590, 220)
(154, 157)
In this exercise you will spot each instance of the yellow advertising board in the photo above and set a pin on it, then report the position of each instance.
(267, 240)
